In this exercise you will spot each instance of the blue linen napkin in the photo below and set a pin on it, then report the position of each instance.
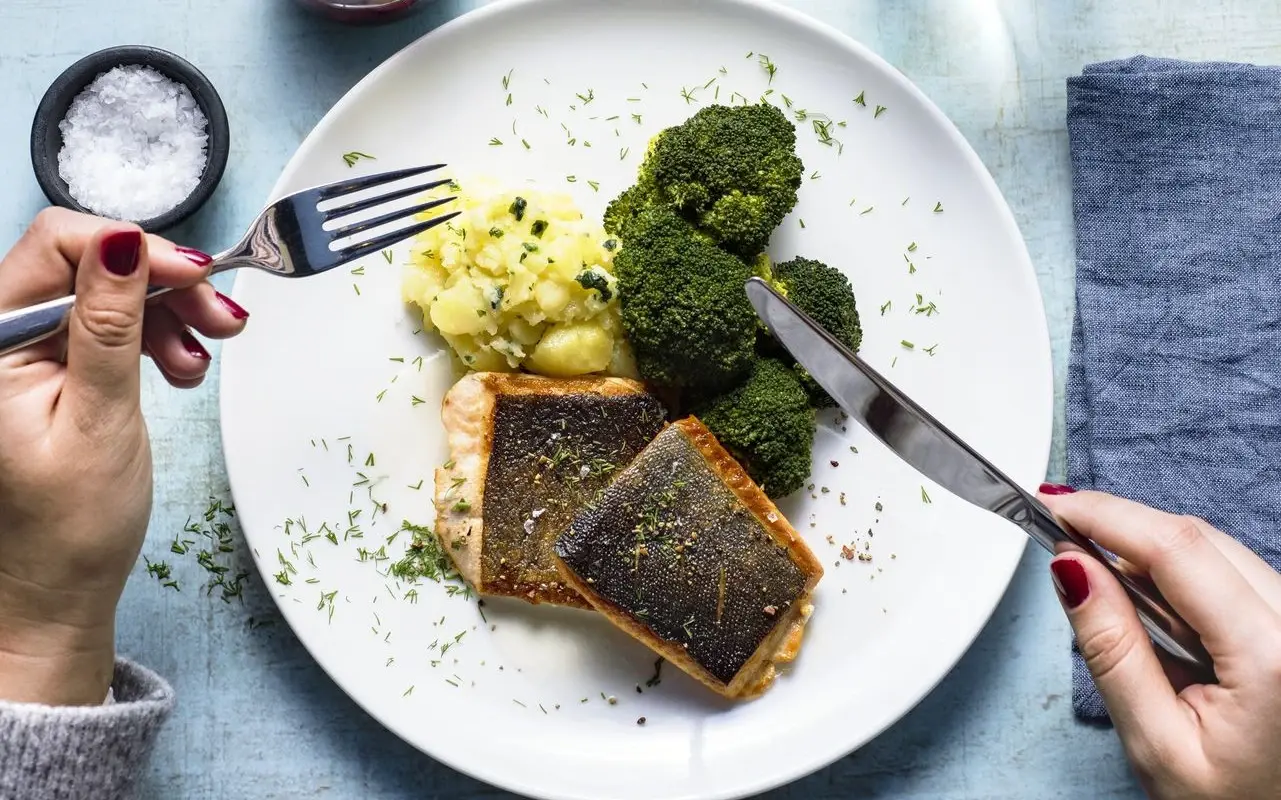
(1174, 384)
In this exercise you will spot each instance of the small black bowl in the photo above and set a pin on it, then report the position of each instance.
(46, 138)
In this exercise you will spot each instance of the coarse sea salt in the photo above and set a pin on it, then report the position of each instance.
(134, 144)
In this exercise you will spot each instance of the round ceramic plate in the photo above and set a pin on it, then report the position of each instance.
(330, 402)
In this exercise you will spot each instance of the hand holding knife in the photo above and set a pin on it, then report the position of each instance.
(929, 447)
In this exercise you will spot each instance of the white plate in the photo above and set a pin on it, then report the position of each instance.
(311, 365)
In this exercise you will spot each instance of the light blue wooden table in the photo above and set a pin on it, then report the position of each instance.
(258, 719)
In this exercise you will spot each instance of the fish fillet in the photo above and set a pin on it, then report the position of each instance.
(526, 453)
(685, 553)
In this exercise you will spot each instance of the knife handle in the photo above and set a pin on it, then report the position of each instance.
(1164, 625)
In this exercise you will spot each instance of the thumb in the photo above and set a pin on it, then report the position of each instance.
(1140, 699)
(104, 337)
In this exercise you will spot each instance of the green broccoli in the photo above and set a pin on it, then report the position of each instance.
(683, 307)
(626, 207)
(768, 424)
(826, 295)
(730, 170)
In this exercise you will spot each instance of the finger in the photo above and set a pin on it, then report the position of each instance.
(207, 310)
(41, 265)
(178, 383)
(104, 338)
(1262, 577)
(177, 353)
(171, 380)
(1193, 574)
(1140, 700)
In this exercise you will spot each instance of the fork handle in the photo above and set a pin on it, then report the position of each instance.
(24, 327)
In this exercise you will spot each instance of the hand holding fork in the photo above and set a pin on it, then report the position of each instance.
(289, 238)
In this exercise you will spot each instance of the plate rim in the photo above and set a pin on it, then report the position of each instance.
(812, 26)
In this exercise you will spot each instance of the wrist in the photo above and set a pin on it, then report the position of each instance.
(67, 678)
(54, 649)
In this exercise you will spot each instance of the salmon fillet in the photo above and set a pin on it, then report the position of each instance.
(526, 454)
(685, 553)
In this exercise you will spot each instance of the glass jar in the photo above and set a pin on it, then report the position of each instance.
(362, 12)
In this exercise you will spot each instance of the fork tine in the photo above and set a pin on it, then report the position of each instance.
(388, 239)
(400, 213)
(370, 181)
(361, 205)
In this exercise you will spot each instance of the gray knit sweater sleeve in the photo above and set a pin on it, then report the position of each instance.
(82, 752)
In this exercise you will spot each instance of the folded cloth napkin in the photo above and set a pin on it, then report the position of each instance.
(1174, 384)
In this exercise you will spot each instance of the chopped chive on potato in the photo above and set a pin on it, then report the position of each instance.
(520, 280)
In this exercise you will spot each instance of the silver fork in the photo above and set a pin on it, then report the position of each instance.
(287, 239)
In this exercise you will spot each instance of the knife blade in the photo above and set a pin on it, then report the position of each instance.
(932, 449)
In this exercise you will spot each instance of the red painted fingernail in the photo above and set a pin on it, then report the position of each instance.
(195, 256)
(120, 251)
(1056, 488)
(1071, 581)
(232, 306)
(194, 346)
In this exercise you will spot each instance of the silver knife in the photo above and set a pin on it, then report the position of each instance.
(936, 452)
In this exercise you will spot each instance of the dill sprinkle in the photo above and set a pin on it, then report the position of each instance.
(351, 158)
(768, 65)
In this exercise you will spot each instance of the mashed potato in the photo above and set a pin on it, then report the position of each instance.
(520, 280)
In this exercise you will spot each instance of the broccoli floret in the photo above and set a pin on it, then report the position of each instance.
(626, 207)
(826, 295)
(730, 170)
(591, 279)
(768, 424)
(683, 307)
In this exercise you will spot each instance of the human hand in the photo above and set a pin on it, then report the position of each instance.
(75, 460)
(1185, 740)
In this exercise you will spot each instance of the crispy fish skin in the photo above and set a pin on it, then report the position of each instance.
(525, 453)
(688, 555)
